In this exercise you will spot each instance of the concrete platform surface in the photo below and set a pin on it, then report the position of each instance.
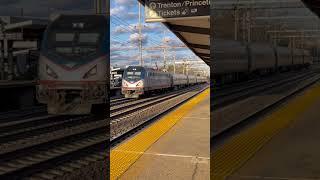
(292, 154)
(182, 153)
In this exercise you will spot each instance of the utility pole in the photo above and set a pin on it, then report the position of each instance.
(164, 51)
(249, 26)
(154, 58)
(21, 12)
(174, 62)
(140, 36)
(97, 6)
(187, 69)
(165, 58)
(186, 63)
(236, 19)
(249, 11)
(183, 66)
(302, 40)
(244, 25)
(164, 48)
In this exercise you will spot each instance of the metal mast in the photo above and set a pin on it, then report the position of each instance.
(97, 6)
(164, 51)
(140, 36)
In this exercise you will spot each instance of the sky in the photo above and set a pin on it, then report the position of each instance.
(125, 38)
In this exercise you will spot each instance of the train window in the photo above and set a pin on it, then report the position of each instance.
(64, 50)
(64, 37)
(133, 75)
(88, 37)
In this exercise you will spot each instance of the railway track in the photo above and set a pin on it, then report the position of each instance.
(121, 100)
(256, 80)
(225, 90)
(17, 129)
(131, 119)
(291, 87)
(38, 111)
(30, 147)
(23, 113)
(130, 106)
(225, 98)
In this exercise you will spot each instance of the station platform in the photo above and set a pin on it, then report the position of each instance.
(175, 147)
(16, 83)
(283, 145)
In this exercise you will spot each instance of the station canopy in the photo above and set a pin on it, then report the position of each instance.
(18, 22)
(23, 28)
(188, 20)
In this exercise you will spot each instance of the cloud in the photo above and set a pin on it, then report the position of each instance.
(123, 12)
(172, 41)
(121, 29)
(152, 28)
(134, 38)
(133, 28)
(126, 2)
(123, 60)
(117, 10)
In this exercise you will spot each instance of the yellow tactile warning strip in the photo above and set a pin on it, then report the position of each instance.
(234, 153)
(124, 155)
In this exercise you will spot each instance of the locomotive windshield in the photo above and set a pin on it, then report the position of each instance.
(75, 38)
(77, 45)
(133, 74)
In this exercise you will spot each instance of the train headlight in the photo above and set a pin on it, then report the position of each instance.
(50, 72)
(140, 84)
(91, 72)
(124, 84)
